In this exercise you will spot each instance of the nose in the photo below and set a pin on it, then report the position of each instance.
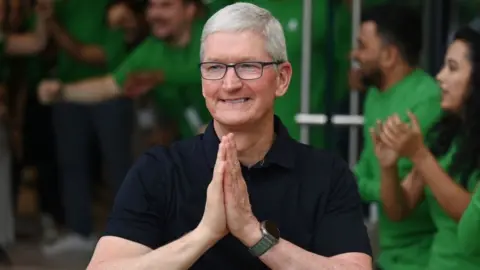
(231, 81)
(440, 75)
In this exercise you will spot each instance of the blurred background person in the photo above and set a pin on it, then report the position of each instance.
(445, 173)
(388, 54)
(167, 62)
(12, 44)
(89, 47)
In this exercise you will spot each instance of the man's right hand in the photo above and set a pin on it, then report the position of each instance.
(49, 91)
(139, 83)
(214, 221)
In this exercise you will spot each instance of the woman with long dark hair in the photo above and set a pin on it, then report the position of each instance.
(447, 162)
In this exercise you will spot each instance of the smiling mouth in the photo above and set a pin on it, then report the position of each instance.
(235, 101)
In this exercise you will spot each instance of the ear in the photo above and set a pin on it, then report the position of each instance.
(388, 56)
(283, 79)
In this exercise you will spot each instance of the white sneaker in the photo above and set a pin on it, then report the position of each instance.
(68, 243)
(49, 229)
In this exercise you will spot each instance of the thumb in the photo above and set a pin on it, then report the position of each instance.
(414, 121)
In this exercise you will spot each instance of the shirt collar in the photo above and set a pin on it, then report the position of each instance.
(281, 153)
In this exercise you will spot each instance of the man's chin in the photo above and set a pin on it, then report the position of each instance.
(233, 118)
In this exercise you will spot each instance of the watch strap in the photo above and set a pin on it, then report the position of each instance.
(262, 246)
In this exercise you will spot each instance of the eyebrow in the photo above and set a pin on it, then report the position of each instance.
(452, 62)
(238, 60)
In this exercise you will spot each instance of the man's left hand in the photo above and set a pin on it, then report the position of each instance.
(240, 219)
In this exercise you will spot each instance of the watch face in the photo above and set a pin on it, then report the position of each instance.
(271, 228)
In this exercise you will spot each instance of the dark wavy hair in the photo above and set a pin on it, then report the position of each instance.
(463, 128)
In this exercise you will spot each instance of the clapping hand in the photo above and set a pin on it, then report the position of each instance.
(405, 139)
(386, 156)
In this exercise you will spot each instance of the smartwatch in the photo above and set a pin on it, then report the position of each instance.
(270, 237)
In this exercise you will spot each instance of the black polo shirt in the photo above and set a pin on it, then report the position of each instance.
(310, 194)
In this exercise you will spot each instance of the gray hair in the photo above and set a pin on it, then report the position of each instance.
(241, 17)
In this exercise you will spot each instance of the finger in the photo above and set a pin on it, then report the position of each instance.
(233, 149)
(390, 132)
(221, 151)
(395, 119)
(219, 170)
(413, 120)
(387, 137)
(378, 127)
(373, 135)
(231, 154)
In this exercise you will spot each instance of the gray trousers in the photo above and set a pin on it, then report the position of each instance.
(7, 225)
(77, 127)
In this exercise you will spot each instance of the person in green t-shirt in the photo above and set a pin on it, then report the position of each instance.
(166, 61)
(445, 169)
(388, 53)
(88, 48)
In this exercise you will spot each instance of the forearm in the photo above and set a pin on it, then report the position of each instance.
(178, 255)
(89, 54)
(28, 43)
(92, 90)
(286, 255)
(392, 194)
(453, 198)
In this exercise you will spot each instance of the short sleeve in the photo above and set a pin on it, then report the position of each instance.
(340, 228)
(139, 59)
(140, 209)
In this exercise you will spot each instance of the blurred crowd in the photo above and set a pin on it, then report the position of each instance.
(90, 84)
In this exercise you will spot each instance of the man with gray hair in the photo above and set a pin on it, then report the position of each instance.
(243, 195)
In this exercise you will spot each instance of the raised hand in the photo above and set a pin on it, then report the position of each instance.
(214, 220)
(240, 219)
(386, 156)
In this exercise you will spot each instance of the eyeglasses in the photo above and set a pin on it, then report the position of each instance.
(244, 70)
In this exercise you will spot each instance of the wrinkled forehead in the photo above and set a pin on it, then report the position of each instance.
(233, 47)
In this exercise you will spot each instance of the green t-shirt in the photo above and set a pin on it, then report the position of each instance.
(469, 226)
(85, 22)
(405, 244)
(181, 88)
(447, 252)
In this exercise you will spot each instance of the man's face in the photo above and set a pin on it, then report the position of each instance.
(120, 16)
(233, 101)
(368, 54)
(168, 17)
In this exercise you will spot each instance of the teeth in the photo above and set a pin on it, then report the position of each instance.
(235, 101)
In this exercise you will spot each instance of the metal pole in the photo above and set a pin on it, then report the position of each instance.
(306, 66)
(354, 95)
(329, 97)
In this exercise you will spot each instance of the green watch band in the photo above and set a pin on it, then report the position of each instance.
(270, 237)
